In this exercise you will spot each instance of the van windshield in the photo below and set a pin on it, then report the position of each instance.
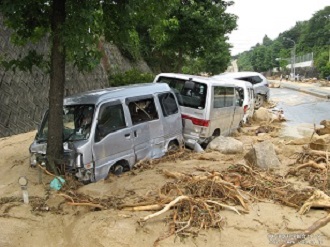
(192, 94)
(77, 122)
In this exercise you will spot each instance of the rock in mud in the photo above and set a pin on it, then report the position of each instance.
(226, 145)
(262, 114)
(263, 156)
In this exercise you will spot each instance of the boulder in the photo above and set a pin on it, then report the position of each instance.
(226, 145)
(321, 143)
(262, 114)
(326, 129)
(263, 156)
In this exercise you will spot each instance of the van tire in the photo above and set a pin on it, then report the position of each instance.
(259, 101)
(119, 168)
(216, 133)
(173, 146)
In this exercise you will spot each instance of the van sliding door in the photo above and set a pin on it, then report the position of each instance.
(148, 133)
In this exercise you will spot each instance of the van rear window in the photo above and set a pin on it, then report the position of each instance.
(193, 96)
(223, 97)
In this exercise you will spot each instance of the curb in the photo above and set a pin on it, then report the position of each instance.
(308, 90)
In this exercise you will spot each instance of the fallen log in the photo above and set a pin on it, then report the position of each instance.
(312, 164)
(317, 225)
(316, 152)
(318, 200)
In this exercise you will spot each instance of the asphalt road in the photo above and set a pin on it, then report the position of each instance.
(300, 107)
(301, 110)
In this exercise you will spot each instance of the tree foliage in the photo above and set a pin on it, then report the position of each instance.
(193, 33)
(309, 36)
(169, 33)
(73, 29)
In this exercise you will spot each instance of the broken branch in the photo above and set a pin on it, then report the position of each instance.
(228, 207)
(166, 208)
(317, 225)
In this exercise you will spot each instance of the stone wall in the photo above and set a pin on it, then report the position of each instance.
(24, 96)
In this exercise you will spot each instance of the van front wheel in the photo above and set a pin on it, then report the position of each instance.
(118, 170)
(259, 101)
(173, 146)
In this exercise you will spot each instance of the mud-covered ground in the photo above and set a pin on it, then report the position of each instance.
(49, 221)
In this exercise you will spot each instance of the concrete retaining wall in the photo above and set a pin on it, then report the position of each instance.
(24, 96)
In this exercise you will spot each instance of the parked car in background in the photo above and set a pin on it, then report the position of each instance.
(259, 82)
(210, 107)
(110, 130)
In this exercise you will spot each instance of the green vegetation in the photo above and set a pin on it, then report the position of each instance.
(309, 36)
(171, 35)
(130, 77)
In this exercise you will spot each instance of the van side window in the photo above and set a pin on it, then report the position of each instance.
(142, 110)
(112, 118)
(223, 97)
(193, 96)
(168, 104)
(239, 96)
(252, 79)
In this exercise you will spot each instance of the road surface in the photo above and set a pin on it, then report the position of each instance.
(301, 110)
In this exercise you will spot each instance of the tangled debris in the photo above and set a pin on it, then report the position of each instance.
(37, 203)
(79, 199)
(196, 201)
(171, 156)
(313, 166)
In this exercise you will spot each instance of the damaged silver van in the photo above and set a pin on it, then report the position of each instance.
(109, 130)
(209, 107)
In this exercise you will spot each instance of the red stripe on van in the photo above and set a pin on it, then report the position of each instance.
(197, 121)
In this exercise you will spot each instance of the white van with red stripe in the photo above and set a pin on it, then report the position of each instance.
(210, 107)
(247, 93)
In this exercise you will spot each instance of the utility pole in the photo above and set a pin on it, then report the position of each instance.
(293, 60)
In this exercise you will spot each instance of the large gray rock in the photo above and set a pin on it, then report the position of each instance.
(226, 145)
(262, 114)
(263, 156)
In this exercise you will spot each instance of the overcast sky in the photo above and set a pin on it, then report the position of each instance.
(257, 18)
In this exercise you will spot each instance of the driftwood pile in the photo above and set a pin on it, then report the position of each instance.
(195, 201)
(314, 167)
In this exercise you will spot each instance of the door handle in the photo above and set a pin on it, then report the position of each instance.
(135, 133)
(127, 135)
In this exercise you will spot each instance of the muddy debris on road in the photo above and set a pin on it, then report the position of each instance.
(184, 198)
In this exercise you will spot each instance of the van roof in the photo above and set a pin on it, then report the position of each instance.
(202, 79)
(238, 74)
(237, 82)
(97, 96)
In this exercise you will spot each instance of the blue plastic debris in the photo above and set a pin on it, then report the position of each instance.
(57, 183)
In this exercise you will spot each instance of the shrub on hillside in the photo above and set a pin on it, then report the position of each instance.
(130, 77)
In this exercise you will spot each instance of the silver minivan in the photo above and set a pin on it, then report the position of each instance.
(258, 81)
(109, 130)
(210, 107)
